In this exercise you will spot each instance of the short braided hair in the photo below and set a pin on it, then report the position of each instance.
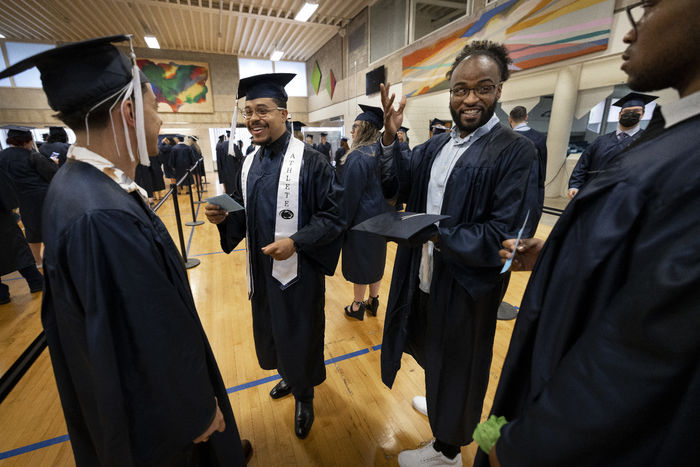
(494, 50)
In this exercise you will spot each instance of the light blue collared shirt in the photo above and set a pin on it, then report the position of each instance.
(439, 175)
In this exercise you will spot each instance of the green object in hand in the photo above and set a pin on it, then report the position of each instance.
(487, 433)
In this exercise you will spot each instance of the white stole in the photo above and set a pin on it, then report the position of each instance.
(288, 212)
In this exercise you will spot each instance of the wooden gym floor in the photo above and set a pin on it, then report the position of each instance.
(359, 421)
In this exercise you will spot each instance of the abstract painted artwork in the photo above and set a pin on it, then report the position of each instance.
(316, 77)
(330, 84)
(536, 33)
(180, 86)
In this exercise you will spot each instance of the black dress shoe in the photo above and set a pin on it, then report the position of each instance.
(372, 306)
(303, 418)
(281, 389)
(358, 314)
(247, 449)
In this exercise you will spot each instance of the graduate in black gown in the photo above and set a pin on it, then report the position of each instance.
(445, 294)
(324, 147)
(56, 146)
(606, 147)
(221, 152)
(518, 122)
(343, 149)
(287, 260)
(16, 255)
(31, 174)
(182, 157)
(603, 365)
(364, 254)
(137, 379)
(164, 155)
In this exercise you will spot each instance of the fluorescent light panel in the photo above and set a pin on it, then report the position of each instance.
(276, 55)
(306, 11)
(1, 36)
(152, 42)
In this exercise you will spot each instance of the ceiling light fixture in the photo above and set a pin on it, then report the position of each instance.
(306, 11)
(276, 55)
(152, 42)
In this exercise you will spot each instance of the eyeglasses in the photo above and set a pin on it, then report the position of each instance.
(635, 12)
(260, 111)
(481, 91)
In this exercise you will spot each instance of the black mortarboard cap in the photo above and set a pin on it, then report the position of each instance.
(404, 129)
(404, 228)
(14, 131)
(373, 115)
(79, 75)
(324, 134)
(267, 85)
(298, 125)
(635, 99)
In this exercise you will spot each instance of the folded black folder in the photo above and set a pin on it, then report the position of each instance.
(405, 228)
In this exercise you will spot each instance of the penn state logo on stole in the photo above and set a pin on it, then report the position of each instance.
(286, 214)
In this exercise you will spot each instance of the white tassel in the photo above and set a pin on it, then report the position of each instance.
(140, 130)
(234, 121)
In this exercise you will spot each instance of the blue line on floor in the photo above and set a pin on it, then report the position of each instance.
(240, 387)
(33, 447)
(376, 347)
(252, 384)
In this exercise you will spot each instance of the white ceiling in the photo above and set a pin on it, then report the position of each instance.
(240, 27)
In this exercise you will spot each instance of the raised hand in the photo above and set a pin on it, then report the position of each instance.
(393, 118)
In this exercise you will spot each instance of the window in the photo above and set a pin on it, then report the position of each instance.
(387, 28)
(17, 51)
(296, 88)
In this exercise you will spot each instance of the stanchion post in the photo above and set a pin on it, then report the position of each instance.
(189, 263)
(194, 222)
(200, 187)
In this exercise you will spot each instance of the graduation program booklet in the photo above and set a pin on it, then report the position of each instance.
(225, 202)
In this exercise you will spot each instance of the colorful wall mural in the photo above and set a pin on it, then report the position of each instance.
(536, 33)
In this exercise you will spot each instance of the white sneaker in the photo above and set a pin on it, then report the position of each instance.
(420, 404)
(427, 456)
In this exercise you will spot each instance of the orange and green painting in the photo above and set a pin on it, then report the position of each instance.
(535, 32)
(183, 87)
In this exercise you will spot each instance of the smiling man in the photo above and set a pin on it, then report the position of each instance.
(290, 223)
(445, 294)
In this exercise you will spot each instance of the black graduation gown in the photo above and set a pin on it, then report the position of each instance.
(47, 149)
(165, 156)
(597, 155)
(135, 373)
(288, 325)
(143, 178)
(15, 251)
(540, 140)
(325, 149)
(339, 153)
(603, 365)
(156, 169)
(221, 153)
(182, 157)
(30, 173)
(487, 195)
(364, 254)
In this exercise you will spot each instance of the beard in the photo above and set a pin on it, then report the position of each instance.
(469, 127)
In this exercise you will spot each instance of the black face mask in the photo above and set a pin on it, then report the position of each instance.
(629, 119)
